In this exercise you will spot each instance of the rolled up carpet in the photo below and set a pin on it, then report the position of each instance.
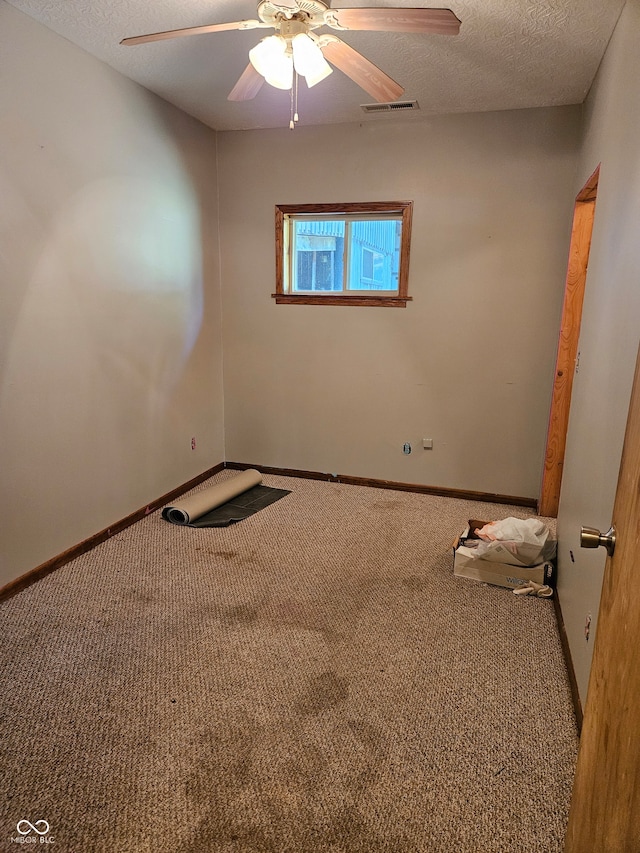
(187, 511)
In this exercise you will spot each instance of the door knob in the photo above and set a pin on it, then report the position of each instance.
(592, 538)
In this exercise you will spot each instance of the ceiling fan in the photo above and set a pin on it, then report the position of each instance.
(297, 48)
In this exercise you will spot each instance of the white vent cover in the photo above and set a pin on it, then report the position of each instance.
(391, 107)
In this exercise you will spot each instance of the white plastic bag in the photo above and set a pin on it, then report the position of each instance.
(515, 541)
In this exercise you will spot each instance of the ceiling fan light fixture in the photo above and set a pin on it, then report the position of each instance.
(276, 58)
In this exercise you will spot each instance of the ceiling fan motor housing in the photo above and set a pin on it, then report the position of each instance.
(311, 12)
(293, 27)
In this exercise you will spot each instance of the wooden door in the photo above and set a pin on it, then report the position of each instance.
(605, 808)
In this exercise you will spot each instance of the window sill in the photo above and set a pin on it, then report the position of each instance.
(315, 299)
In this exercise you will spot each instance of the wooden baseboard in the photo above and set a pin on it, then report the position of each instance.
(30, 577)
(462, 494)
(573, 682)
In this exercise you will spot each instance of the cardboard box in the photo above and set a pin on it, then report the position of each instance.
(466, 565)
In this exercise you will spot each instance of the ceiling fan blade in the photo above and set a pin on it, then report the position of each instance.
(363, 72)
(439, 21)
(193, 31)
(248, 85)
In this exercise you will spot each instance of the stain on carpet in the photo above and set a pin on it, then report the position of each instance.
(323, 692)
(241, 614)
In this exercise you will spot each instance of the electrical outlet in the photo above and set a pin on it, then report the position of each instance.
(406, 448)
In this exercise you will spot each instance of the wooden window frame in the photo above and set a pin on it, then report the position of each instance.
(397, 300)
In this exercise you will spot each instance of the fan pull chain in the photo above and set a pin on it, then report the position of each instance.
(294, 102)
(291, 124)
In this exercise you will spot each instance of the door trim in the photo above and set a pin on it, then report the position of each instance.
(567, 352)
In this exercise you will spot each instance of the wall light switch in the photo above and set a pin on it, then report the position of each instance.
(427, 443)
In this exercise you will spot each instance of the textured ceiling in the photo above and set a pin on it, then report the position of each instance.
(510, 54)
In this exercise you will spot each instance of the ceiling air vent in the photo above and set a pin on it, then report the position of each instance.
(396, 106)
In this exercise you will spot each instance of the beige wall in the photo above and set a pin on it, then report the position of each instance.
(110, 345)
(610, 330)
(469, 363)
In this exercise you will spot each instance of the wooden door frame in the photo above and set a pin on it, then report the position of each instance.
(566, 357)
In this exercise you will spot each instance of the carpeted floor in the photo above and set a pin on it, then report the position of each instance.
(312, 679)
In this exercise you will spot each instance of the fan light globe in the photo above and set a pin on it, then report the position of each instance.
(270, 58)
(308, 60)
(321, 73)
(283, 77)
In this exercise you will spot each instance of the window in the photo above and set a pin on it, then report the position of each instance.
(343, 254)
